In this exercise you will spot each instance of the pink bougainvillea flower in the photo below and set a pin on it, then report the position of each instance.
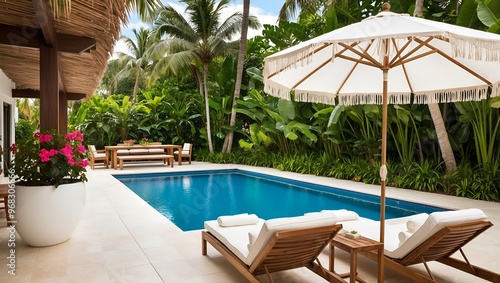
(52, 152)
(81, 149)
(67, 150)
(44, 155)
(44, 137)
(85, 163)
(74, 136)
(78, 136)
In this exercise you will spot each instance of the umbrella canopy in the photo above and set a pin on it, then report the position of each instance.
(437, 62)
(388, 58)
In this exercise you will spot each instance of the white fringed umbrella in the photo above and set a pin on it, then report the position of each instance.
(388, 58)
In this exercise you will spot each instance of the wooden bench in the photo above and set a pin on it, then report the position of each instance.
(165, 157)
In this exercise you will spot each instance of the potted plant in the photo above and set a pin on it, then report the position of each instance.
(353, 234)
(144, 141)
(49, 170)
(129, 142)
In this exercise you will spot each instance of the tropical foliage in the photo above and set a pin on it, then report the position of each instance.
(189, 83)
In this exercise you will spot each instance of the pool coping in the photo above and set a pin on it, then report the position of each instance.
(121, 237)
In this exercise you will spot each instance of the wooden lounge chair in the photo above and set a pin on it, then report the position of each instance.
(440, 241)
(97, 155)
(280, 245)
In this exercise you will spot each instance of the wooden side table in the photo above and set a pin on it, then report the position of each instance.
(353, 246)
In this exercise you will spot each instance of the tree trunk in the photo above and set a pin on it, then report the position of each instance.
(228, 143)
(442, 136)
(437, 118)
(419, 5)
(136, 86)
(207, 107)
(196, 75)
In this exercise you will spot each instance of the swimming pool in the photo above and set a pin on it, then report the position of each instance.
(190, 198)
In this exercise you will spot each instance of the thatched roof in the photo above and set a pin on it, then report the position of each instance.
(92, 20)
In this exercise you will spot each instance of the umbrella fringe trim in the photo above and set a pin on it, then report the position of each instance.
(276, 90)
(455, 95)
(464, 47)
(444, 96)
(299, 58)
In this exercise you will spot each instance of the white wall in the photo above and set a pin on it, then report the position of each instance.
(6, 86)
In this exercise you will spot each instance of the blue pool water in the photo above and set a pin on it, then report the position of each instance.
(190, 198)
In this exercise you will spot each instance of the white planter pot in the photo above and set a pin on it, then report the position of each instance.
(47, 215)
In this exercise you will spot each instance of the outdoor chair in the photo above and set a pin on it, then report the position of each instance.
(424, 238)
(186, 152)
(97, 155)
(264, 247)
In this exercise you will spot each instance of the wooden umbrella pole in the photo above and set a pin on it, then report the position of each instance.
(383, 167)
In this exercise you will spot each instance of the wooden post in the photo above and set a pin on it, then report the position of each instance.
(63, 112)
(49, 88)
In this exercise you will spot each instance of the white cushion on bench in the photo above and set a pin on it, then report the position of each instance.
(138, 151)
(122, 152)
(156, 150)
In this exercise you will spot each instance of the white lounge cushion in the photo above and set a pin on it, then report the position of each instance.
(251, 239)
(288, 223)
(235, 238)
(403, 236)
(435, 222)
(416, 222)
(343, 214)
(184, 152)
(237, 220)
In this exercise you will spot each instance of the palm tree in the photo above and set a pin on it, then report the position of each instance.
(291, 7)
(137, 63)
(196, 41)
(437, 118)
(228, 143)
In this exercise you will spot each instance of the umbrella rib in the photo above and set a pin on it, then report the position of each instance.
(316, 69)
(338, 55)
(358, 61)
(401, 60)
(310, 74)
(398, 54)
(300, 59)
(363, 55)
(449, 58)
